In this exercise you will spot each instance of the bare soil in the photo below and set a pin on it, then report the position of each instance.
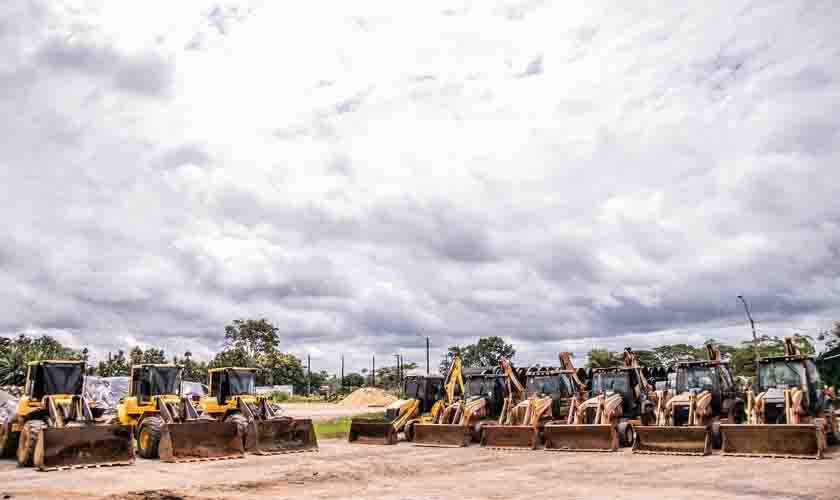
(342, 470)
(324, 411)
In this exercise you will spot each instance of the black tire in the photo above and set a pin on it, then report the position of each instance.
(832, 437)
(148, 437)
(409, 431)
(8, 441)
(28, 441)
(628, 437)
(717, 438)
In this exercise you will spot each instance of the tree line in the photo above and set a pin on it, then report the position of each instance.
(255, 343)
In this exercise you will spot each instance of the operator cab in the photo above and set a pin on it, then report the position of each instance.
(227, 383)
(789, 372)
(623, 381)
(427, 389)
(712, 376)
(149, 380)
(49, 378)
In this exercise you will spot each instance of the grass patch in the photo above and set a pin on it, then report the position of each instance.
(339, 427)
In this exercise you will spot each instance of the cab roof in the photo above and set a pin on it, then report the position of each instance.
(56, 361)
(798, 357)
(702, 363)
(237, 368)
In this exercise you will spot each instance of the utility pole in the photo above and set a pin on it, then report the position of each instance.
(308, 375)
(755, 337)
(427, 355)
(342, 371)
(373, 371)
(398, 373)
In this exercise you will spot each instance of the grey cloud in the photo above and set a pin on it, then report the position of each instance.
(449, 204)
(535, 67)
(186, 154)
(145, 73)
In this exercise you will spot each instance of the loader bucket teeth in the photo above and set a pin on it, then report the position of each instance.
(444, 435)
(282, 435)
(780, 441)
(200, 440)
(667, 440)
(84, 446)
(580, 437)
(514, 437)
(371, 431)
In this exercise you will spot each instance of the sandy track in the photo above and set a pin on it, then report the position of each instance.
(323, 411)
(341, 470)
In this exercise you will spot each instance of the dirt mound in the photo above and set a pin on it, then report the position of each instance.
(368, 396)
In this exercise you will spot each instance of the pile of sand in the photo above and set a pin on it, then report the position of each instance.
(368, 396)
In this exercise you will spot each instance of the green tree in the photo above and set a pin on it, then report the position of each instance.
(602, 358)
(115, 366)
(671, 354)
(388, 377)
(488, 351)
(135, 355)
(252, 337)
(282, 369)
(353, 380)
(232, 357)
(194, 371)
(16, 353)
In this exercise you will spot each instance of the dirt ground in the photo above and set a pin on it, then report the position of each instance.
(342, 470)
(324, 411)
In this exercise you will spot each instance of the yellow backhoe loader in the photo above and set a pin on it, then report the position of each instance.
(548, 391)
(689, 423)
(451, 419)
(233, 398)
(621, 399)
(788, 414)
(167, 425)
(421, 395)
(54, 427)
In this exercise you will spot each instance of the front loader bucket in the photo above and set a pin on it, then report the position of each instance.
(781, 441)
(511, 437)
(671, 440)
(444, 435)
(580, 437)
(280, 435)
(81, 446)
(372, 431)
(197, 440)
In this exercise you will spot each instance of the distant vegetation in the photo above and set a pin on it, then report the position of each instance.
(256, 343)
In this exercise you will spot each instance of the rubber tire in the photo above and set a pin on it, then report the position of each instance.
(628, 437)
(717, 437)
(241, 422)
(28, 441)
(409, 432)
(8, 441)
(150, 426)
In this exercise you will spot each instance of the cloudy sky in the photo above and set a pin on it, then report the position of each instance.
(367, 173)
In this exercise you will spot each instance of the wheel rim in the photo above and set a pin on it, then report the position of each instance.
(144, 440)
(23, 446)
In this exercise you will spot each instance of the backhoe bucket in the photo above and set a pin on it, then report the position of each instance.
(197, 440)
(88, 445)
(781, 441)
(444, 435)
(671, 440)
(512, 437)
(280, 435)
(372, 431)
(580, 437)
